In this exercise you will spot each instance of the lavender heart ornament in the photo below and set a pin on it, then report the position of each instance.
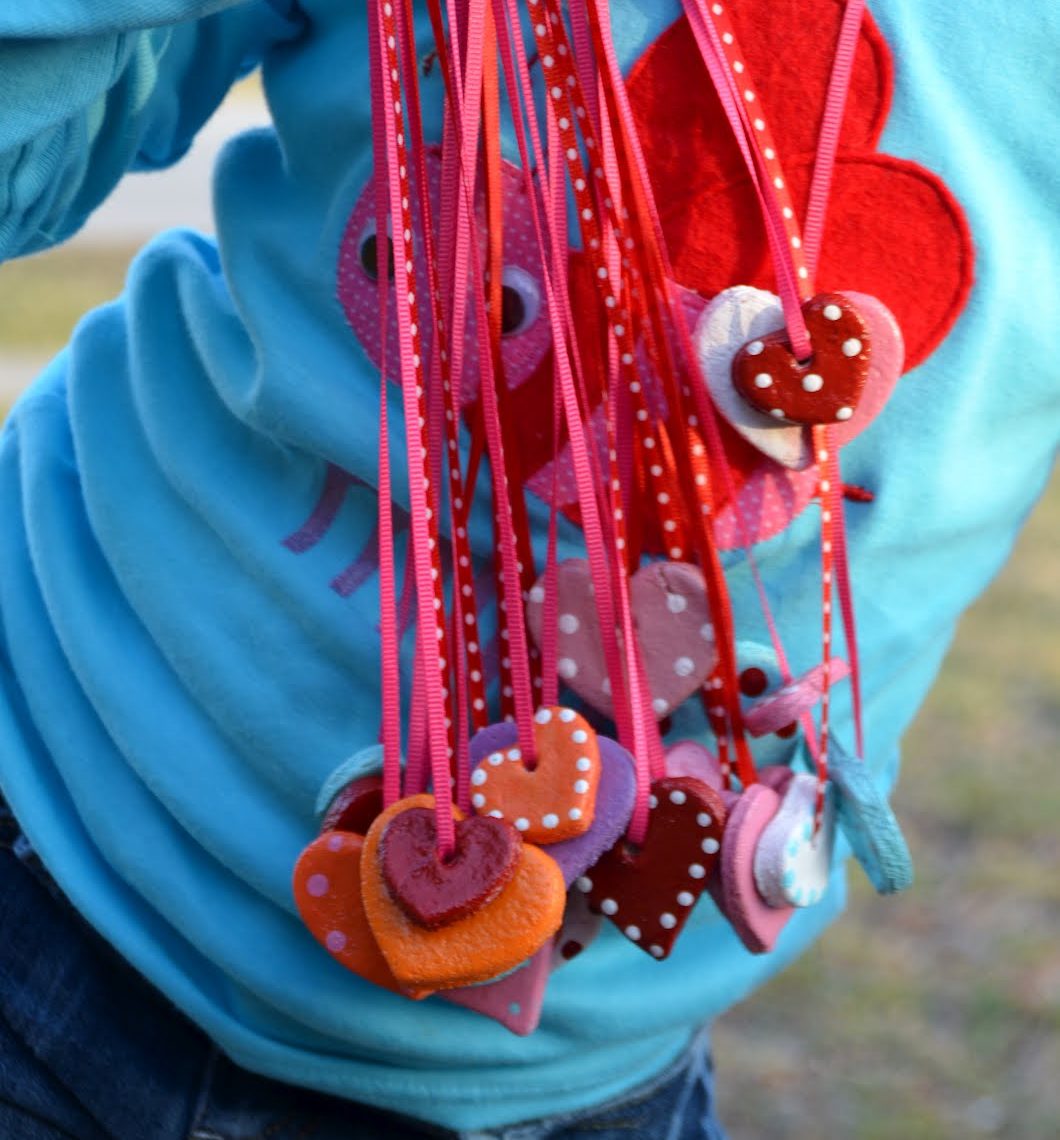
(614, 798)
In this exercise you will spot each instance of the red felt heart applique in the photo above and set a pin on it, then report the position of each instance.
(649, 894)
(435, 892)
(822, 390)
(556, 798)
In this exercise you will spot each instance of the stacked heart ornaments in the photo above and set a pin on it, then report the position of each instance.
(391, 910)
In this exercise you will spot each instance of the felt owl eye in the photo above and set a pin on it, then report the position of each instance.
(368, 253)
(525, 328)
(520, 301)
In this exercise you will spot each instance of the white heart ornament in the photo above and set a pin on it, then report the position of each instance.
(792, 865)
(733, 318)
(741, 314)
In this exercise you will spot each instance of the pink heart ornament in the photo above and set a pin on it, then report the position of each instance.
(734, 317)
(514, 1000)
(690, 758)
(785, 706)
(792, 865)
(672, 618)
(742, 313)
(735, 892)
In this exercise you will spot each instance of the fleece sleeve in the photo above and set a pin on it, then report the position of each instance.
(90, 89)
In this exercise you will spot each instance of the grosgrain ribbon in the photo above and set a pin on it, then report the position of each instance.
(720, 48)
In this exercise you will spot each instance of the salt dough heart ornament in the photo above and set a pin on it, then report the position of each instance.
(674, 629)
(689, 758)
(515, 1000)
(754, 920)
(649, 894)
(581, 925)
(366, 762)
(615, 795)
(434, 892)
(777, 710)
(734, 318)
(477, 948)
(556, 799)
(792, 864)
(822, 390)
(355, 807)
(327, 892)
(742, 314)
(866, 819)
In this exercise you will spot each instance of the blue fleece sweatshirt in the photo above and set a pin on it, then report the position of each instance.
(176, 683)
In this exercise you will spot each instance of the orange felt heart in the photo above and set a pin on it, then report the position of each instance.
(556, 799)
(487, 943)
(327, 891)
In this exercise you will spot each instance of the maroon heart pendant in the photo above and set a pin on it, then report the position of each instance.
(355, 807)
(823, 390)
(649, 894)
(435, 892)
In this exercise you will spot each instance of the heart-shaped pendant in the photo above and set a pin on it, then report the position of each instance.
(866, 819)
(433, 891)
(556, 799)
(479, 947)
(515, 1000)
(754, 920)
(581, 925)
(792, 864)
(615, 795)
(784, 707)
(649, 894)
(824, 389)
(690, 758)
(735, 317)
(327, 892)
(355, 806)
(672, 617)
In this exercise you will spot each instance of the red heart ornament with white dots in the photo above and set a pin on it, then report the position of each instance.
(649, 894)
(823, 390)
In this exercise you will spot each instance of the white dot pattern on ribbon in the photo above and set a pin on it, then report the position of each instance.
(564, 83)
(405, 254)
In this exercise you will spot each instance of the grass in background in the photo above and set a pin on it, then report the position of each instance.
(45, 296)
(931, 1016)
(935, 1015)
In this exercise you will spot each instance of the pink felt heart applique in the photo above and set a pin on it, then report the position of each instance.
(673, 626)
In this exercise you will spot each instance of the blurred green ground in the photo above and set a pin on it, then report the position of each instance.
(932, 1016)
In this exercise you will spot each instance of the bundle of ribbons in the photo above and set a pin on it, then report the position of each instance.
(513, 814)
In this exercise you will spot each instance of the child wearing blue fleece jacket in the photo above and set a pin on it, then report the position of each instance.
(177, 682)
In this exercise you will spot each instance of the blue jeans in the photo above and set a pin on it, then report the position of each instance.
(90, 1051)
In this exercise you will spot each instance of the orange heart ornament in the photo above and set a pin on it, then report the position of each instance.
(556, 799)
(327, 892)
(486, 943)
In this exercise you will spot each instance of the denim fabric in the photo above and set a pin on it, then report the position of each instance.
(90, 1051)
